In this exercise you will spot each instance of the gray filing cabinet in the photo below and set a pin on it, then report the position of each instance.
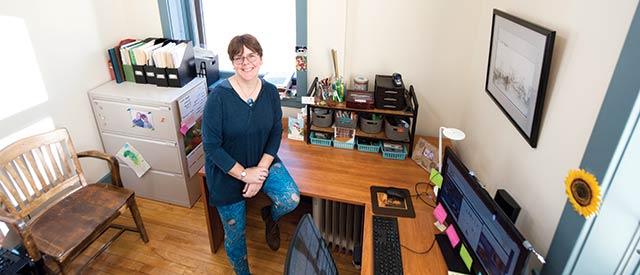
(174, 157)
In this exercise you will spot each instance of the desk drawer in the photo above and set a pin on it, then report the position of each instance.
(162, 156)
(195, 160)
(143, 121)
(157, 185)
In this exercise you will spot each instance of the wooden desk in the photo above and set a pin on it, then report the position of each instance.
(345, 176)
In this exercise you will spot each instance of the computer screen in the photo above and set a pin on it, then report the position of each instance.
(493, 241)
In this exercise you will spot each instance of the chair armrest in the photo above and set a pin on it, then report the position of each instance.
(8, 220)
(113, 164)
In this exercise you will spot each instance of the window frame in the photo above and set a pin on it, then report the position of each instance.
(183, 19)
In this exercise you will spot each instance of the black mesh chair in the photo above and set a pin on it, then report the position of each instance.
(308, 254)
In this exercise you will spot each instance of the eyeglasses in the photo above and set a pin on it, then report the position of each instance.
(238, 60)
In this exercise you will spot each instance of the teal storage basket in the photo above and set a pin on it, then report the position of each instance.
(395, 155)
(369, 148)
(343, 145)
(319, 141)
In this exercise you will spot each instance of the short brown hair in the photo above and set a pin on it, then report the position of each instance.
(237, 44)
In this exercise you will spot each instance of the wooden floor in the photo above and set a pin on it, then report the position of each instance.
(178, 244)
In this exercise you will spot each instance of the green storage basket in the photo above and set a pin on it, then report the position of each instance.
(369, 148)
(319, 141)
(395, 155)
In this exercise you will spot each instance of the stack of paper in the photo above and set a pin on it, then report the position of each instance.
(170, 55)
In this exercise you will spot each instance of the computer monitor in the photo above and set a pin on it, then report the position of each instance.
(493, 242)
(308, 253)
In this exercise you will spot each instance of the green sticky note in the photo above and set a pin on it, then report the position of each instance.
(436, 177)
(466, 258)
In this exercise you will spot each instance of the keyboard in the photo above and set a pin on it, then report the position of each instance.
(386, 246)
(13, 262)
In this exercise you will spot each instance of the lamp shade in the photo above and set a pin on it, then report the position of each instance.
(453, 133)
(450, 133)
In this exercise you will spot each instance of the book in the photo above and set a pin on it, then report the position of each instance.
(111, 72)
(117, 69)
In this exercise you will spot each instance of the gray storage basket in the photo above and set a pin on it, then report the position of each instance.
(369, 125)
(397, 133)
(347, 122)
(322, 117)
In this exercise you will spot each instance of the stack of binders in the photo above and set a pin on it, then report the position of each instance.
(160, 61)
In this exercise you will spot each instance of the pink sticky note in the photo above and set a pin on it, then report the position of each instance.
(187, 123)
(183, 129)
(453, 236)
(439, 213)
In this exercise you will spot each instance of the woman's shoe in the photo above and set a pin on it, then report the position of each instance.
(272, 231)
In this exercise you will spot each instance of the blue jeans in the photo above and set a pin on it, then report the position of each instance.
(284, 194)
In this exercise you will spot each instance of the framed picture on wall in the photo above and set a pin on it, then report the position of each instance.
(518, 70)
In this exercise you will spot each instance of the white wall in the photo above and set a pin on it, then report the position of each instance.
(426, 41)
(589, 38)
(441, 47)
(325, 31)
(69, 41)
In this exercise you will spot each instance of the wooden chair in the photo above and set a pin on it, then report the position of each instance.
(46, 199)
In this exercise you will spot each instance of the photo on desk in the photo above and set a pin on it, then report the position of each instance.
(384, 204)
(386, 201)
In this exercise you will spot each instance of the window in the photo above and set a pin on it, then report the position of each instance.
(273, 23)
(280, 26)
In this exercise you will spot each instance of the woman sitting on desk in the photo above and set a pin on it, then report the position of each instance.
(242, 128)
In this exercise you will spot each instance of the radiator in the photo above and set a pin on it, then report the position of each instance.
(341, 224)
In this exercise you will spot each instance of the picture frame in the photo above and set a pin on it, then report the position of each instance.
(518, 71)
(425, 154)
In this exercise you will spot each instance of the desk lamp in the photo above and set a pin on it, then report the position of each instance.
(450, 133)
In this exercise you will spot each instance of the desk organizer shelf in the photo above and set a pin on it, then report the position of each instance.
(408, 114)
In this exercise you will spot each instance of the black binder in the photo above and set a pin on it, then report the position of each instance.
(138, 70)
(150, 74)
(161, 77)
(180, 76)
(139, 73)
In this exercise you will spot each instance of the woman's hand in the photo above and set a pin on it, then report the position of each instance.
(251, 189)
(255, 175)
(254, 179)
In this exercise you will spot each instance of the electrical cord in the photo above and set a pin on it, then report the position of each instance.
(418, 194)
(421, 252)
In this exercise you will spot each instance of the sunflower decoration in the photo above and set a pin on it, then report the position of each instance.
(583, 191)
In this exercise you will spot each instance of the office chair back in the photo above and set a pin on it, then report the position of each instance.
(308, 253)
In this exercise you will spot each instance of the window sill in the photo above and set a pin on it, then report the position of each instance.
(295, 102)
(291, 102)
